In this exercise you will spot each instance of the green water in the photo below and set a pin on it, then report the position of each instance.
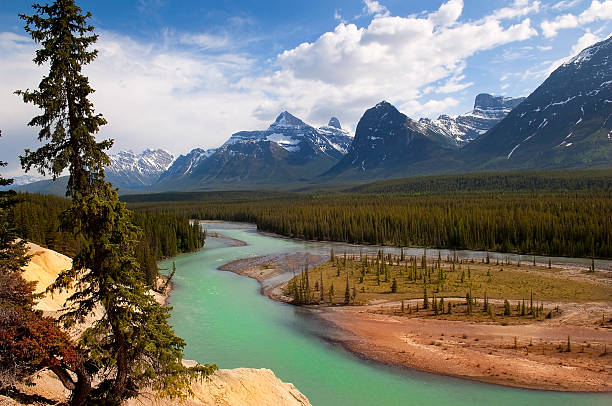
(224, 319)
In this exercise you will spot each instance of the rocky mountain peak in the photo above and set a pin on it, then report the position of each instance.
(287, 120)
(334, 122)
(485, 101)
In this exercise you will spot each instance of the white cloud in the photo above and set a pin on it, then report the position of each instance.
(373, 7)
(565, 4)
(598, 10)
(453, 85)
(519, 8)
(394, 58)
(338, 17)
(431, 108)
(151, 96)
(448, 13)
(205, 41)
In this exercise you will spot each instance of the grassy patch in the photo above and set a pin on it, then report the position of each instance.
(394, 279)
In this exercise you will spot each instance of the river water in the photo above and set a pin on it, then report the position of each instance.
(225, 320)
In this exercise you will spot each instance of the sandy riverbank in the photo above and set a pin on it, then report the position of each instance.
(266, 268)
(473, 350)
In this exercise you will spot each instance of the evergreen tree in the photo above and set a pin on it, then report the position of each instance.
(322, 289)
(394, 286)
(507, 311)
(131, 346)
(347, 292)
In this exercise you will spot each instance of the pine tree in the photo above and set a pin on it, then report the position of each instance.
(322, 289)
(347, 292)
(134, 345)
(394, 286)
(425, 299)
(468, 301)
(507, 308)
(434, 304)
(331, 294)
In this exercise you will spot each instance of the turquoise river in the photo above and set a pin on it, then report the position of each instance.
(225, 320)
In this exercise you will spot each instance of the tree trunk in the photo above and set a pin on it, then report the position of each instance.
(80, 395)
(80, 389)
(64, 377)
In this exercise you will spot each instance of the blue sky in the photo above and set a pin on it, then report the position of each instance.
(183, 74)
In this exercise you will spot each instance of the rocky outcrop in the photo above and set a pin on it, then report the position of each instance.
(236, 387)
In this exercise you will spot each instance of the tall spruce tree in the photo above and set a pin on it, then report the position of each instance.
(132, 345)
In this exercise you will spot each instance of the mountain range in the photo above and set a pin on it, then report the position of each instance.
(564, 123)
(459, 131)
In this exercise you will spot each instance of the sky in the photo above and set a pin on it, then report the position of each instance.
(181, 74)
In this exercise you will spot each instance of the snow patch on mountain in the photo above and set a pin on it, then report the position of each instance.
(293, 135)
(138, 170)
(460, 130)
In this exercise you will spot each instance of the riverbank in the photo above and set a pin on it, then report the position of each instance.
(523, 353)
(226, 387)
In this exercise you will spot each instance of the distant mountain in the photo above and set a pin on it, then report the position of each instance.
(458, 131)
(129, 170)
(185, 164)
(22, 180)
(293, 135)
(387, 143)
(288, 151)
(566, 122)
(340, 138)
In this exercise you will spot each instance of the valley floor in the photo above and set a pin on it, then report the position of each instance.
(520, 352)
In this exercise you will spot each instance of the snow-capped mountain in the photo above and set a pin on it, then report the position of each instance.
(565, 122)
(129, 170)
(22, 180)
(460, 130)
(293, 135)
(185, 164)
(26, 179)
(288, 150)
(340, 138)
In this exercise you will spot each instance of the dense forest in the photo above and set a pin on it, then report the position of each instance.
(573, 219)
(36, 218)
(515, 181)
